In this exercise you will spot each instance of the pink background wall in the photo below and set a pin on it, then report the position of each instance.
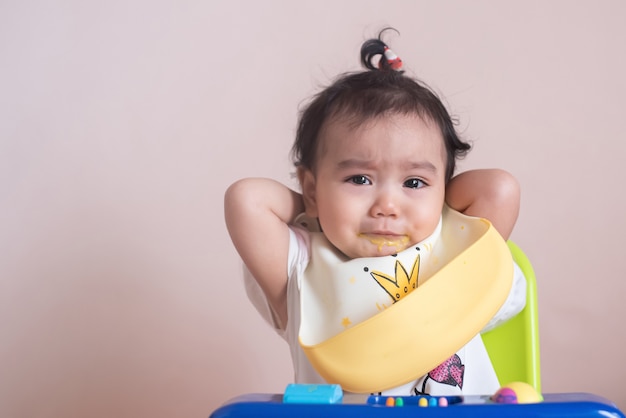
(122, 123)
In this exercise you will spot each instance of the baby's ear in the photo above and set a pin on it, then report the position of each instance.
(307, 182)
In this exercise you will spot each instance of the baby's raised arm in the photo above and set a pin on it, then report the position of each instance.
(257, 213)
(492, 194)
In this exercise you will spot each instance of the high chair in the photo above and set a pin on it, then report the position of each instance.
(514, 346)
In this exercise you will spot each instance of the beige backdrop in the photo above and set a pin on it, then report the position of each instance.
(123, 122)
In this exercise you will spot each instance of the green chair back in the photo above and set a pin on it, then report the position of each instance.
(514, 346)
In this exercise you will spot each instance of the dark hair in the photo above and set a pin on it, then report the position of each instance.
(365, 95)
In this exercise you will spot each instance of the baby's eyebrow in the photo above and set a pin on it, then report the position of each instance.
(354, 163)
(421, 165)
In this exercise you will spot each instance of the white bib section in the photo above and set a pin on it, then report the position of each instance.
(339, 293)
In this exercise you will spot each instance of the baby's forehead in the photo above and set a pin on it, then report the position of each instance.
(343, 124)
(354, 120)
(386, 137)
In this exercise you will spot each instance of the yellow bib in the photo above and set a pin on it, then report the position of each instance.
(462, 277)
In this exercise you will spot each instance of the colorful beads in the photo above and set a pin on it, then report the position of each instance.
(391, 401)
(430, 401)
(424, 401)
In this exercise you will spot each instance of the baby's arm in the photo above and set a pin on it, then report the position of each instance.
(257, 212)
(492, 194)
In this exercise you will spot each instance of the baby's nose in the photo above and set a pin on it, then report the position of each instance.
(384, 205)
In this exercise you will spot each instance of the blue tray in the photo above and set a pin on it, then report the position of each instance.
(364, 406)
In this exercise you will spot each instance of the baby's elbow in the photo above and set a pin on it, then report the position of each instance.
(231, 196)
(247, 197)
(237, 197)
(243, 189)
(235, 189)
(506, 191)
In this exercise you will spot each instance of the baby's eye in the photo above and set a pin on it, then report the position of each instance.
(359, 180)
(414, 183)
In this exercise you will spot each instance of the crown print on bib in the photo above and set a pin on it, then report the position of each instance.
(400, 285)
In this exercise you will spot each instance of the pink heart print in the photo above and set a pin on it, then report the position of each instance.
(450, 372)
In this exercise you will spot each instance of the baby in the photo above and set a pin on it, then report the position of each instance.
(375, 154)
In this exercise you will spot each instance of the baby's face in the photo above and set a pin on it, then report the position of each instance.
(378, 188)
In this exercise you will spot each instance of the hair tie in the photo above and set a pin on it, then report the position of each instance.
(376, 55)
(394, 61)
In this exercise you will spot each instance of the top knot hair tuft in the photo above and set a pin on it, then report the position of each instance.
(376, 55)
(381, 90)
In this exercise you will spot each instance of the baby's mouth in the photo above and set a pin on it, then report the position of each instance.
(398, 242)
